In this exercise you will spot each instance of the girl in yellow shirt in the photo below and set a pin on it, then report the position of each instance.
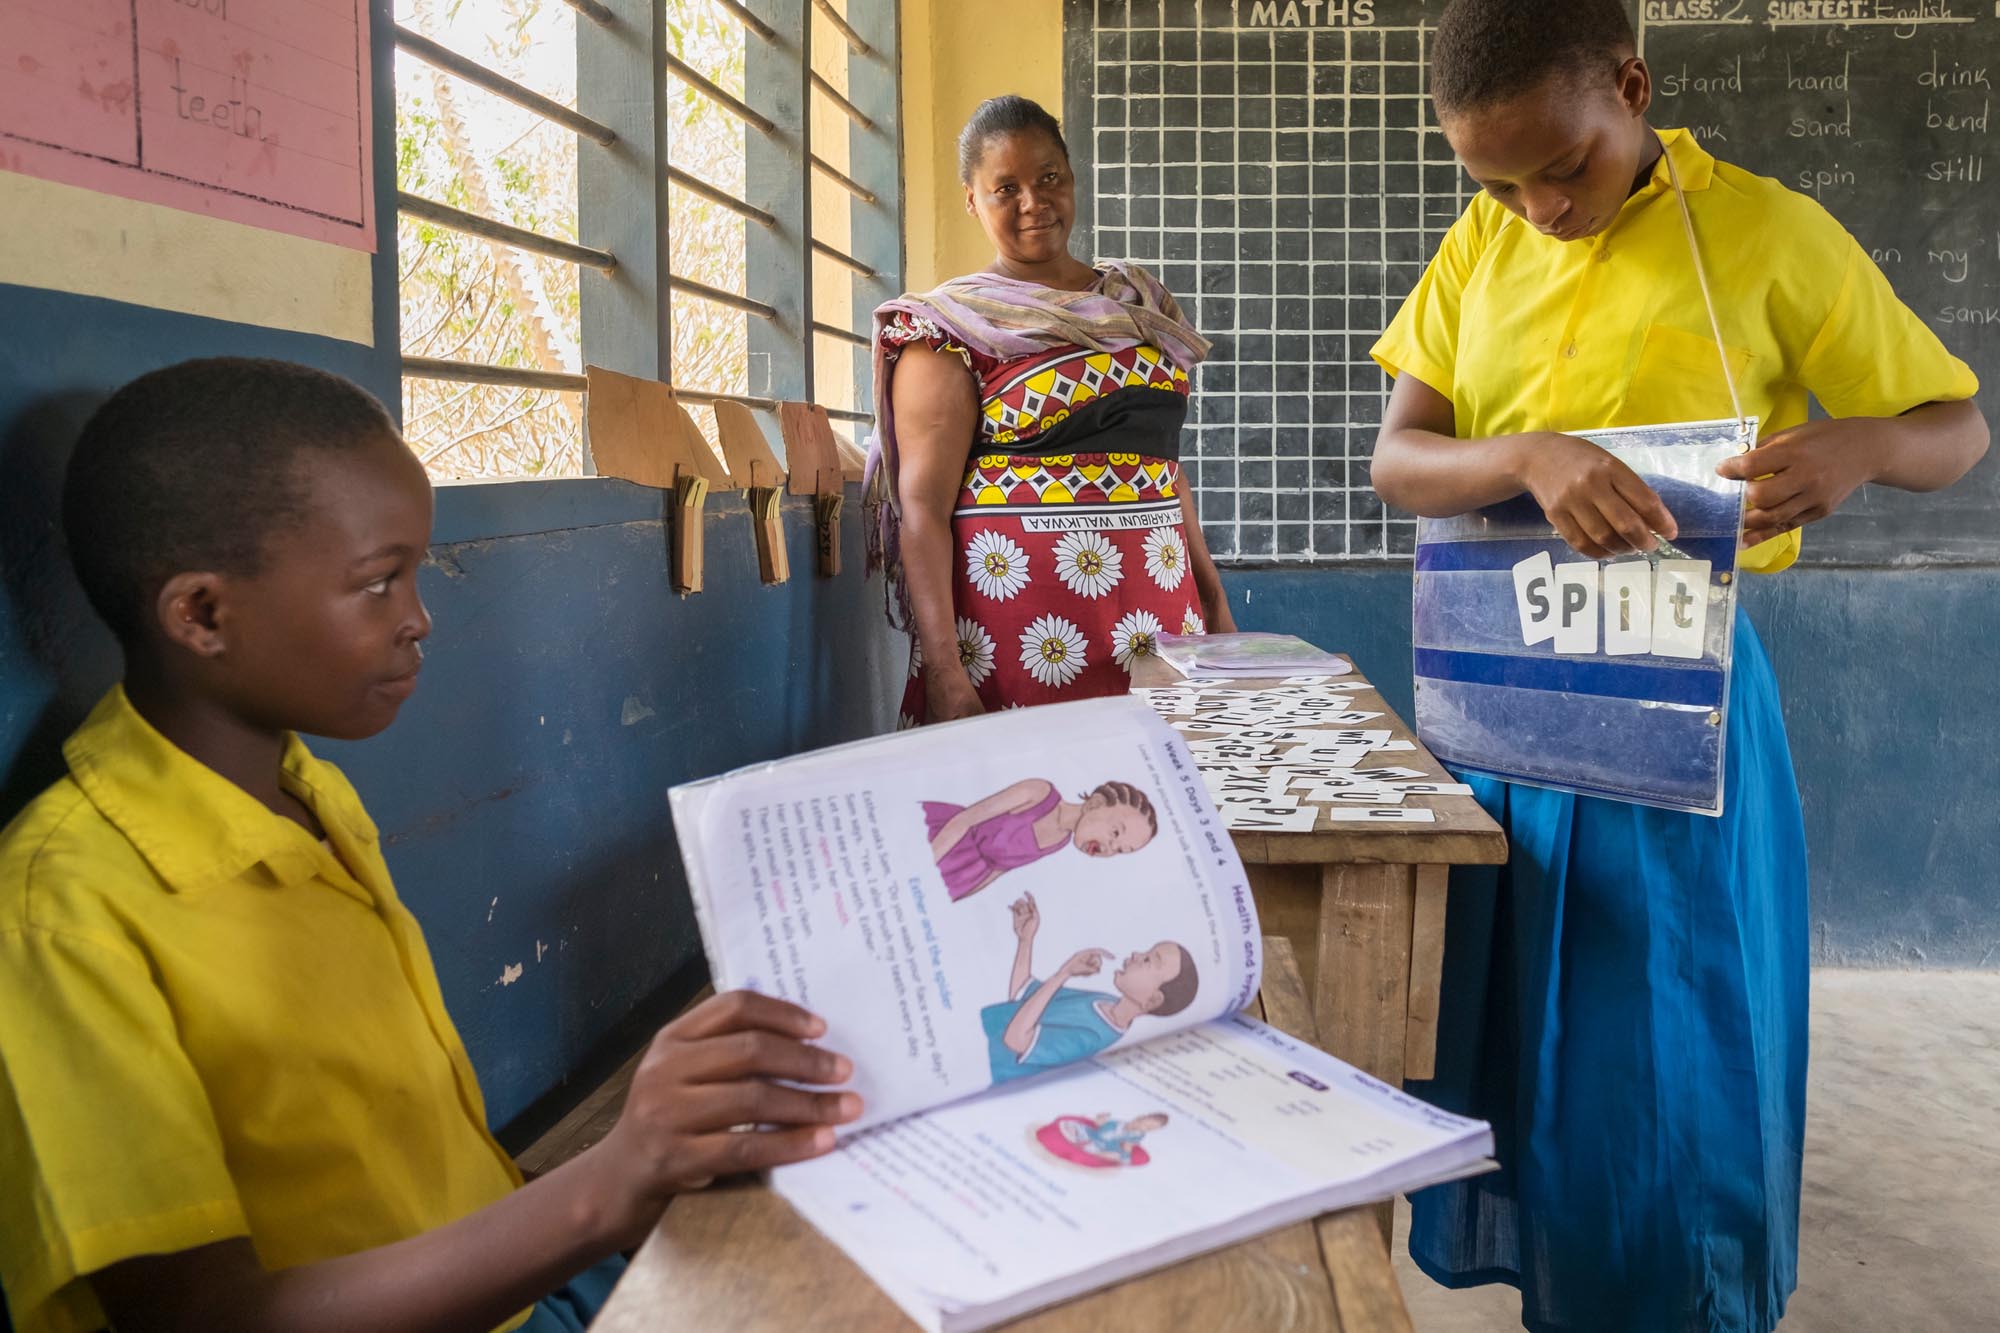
(1630, 1006)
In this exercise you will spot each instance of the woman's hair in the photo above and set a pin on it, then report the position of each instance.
(996, 116)
(1124, 793)
(1487, 51)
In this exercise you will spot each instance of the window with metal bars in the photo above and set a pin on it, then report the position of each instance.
(705, 192)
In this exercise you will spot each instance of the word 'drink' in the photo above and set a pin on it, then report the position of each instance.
(1645, 608)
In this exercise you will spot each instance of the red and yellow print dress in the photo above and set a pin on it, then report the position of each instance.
(1069, 556)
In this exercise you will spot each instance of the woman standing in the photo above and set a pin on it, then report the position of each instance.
(1026, 481)
(1627, 996)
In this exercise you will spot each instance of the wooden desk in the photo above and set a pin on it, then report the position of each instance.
(1364, 904)
(737, 1257)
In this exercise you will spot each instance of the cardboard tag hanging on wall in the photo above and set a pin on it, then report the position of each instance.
(639, 432)
(811, 457)
(755, 467)
(853, 461)
(812, 452)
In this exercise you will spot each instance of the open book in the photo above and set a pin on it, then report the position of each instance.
(1032, 934)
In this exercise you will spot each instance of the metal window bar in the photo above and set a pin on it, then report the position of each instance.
(451, 62)
(475, 224)
(705, 396)
(855, 41)
(594, 11)
(749, 20)
(759, 404)
(833, 95)
(717, 195)
(702, 290)
(842, 179)
(842, 258)
(844, 335)
(476, 372)
(728, 101)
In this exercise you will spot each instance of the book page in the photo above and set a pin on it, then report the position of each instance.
(1148, 1153)
(978, 903)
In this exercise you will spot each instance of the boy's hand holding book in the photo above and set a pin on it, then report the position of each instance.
(705, 1102)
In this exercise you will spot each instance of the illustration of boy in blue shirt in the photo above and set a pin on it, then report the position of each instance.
(1043, 1025)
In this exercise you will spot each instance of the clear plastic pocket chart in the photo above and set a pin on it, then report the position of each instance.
(1602, 677)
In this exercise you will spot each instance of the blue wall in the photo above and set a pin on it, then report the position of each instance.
(1888, 684)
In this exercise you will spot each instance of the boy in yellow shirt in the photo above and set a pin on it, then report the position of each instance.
(230, 1095)
(1628, 994)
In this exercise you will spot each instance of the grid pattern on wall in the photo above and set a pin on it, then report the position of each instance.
(1288, 185)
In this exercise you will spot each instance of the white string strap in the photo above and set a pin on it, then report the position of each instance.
(1707, 297)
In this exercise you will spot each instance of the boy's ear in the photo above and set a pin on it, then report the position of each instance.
(1635, 86)
(189, 613)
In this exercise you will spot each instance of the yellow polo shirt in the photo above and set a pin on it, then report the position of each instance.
(212, 1026)
(1524, 332)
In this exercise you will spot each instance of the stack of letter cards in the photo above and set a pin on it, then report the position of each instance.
(1281, 756)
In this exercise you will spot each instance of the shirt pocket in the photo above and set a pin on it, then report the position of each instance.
(1678, 377)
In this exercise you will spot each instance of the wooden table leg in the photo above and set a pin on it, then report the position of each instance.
(1362, 992)
(1426, 971)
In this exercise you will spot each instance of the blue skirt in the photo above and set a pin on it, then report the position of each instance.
(1625, 1000)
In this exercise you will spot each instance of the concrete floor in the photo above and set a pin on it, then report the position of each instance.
(1899, 1229)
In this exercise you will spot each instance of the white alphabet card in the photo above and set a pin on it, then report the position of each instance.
(1680, 608)
(1576, 607)
(1534, 598)
(1628, 608)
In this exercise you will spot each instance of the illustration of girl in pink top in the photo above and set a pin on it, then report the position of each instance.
(976, 844)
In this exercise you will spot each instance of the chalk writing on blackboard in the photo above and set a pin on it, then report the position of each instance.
(1309, 13)
(252, 110)
(1882, 110)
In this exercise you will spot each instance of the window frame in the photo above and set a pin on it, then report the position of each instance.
(625, 170)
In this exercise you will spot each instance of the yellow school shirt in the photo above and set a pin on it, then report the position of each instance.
(1524, 332)
(212, 1026)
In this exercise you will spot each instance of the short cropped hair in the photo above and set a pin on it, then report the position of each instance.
(1011, 114)
(194, 467)
(1487, 51)
(1179, 991)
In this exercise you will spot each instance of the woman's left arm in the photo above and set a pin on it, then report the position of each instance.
(1207, 581)
(1801, 475)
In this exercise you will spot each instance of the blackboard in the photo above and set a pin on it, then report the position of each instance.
(1279, 165)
